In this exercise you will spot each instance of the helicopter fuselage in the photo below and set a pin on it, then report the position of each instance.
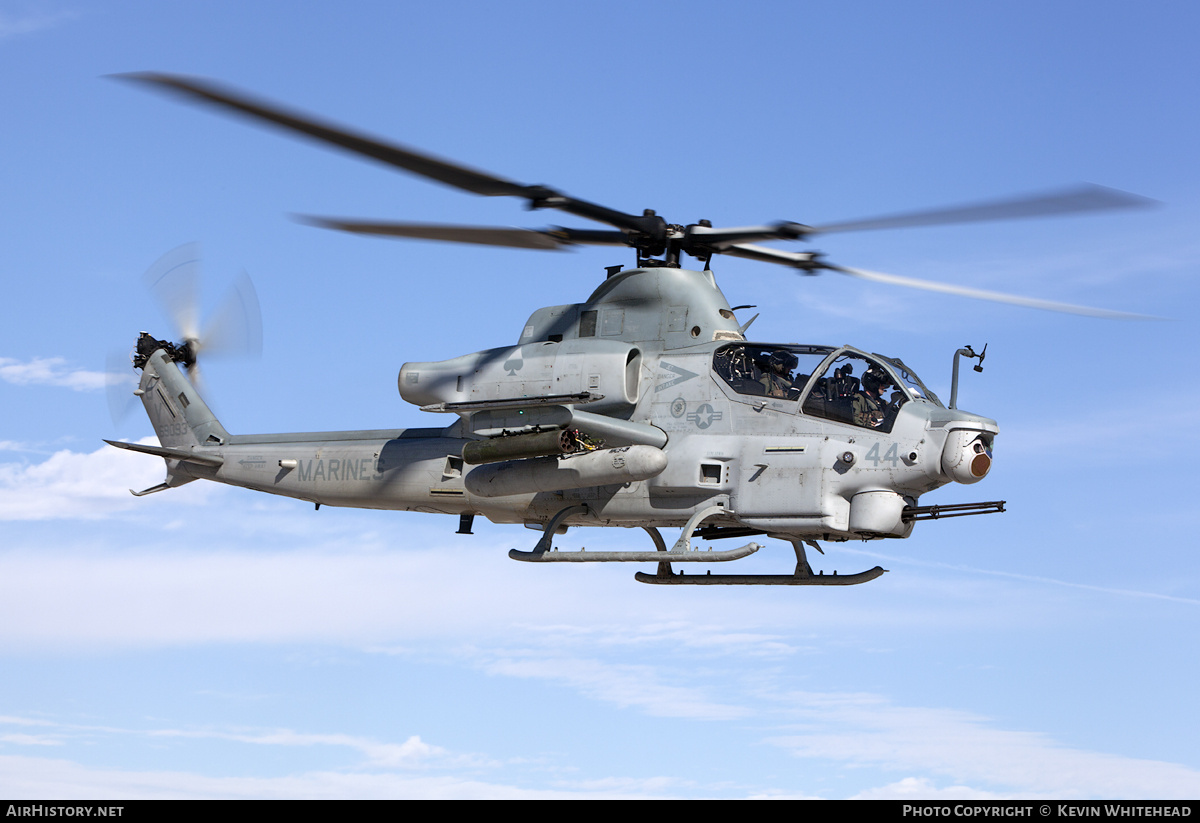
(670, 412)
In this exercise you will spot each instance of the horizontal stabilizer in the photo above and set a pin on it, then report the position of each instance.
(170, 454)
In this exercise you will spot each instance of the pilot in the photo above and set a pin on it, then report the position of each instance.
(867, 405)
(777, 379)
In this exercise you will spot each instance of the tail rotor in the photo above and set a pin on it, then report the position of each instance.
(234, 329)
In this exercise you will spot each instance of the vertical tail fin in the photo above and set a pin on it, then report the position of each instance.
(179, 415)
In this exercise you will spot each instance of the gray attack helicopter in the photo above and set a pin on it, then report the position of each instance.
(645, 406)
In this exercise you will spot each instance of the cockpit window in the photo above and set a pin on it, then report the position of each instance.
(857, 390)
(909, 379)
(766, 370)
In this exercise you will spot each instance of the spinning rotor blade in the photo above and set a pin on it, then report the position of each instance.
(983, 294)
(1084, 198)
(236, 327)
(452, 174)
(119, 383)
(173, 280)
(426, 165)
(804, 260)
(553, 239)
(809, 262)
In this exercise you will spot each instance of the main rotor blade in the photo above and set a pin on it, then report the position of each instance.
(809, 262)
(554, 239)
(721, 238)
(393, 154)
(452, 174)
(983, 294)
(803, 260)
(1085, 198)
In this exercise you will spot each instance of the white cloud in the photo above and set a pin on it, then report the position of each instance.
(49, 371)
(921, 788)
(713, 639)
(31, 777)
(74, 485)
(15, 25)
(894, 560)
(412, 753)
(641, 686)
(386, 770)
(355, 592)
(867, 729)
(160, 588)
(29, 740)
(284, 573)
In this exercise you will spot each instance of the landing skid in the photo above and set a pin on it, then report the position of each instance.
(682, 552)
(711, 579)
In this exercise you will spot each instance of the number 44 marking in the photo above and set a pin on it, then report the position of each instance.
(892, 455)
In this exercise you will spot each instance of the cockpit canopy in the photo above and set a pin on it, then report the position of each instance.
(844, 385)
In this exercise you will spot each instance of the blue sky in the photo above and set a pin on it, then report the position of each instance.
(209, 642)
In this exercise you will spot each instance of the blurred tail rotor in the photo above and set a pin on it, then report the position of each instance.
(233, 329)
(119, 384)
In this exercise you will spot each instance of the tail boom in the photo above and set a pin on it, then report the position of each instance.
(414, 469)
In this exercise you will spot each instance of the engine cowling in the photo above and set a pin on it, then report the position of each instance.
(601, 367)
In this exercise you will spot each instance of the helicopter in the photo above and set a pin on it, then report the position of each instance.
(644, 406)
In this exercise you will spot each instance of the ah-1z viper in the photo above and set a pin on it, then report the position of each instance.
(644, 406)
